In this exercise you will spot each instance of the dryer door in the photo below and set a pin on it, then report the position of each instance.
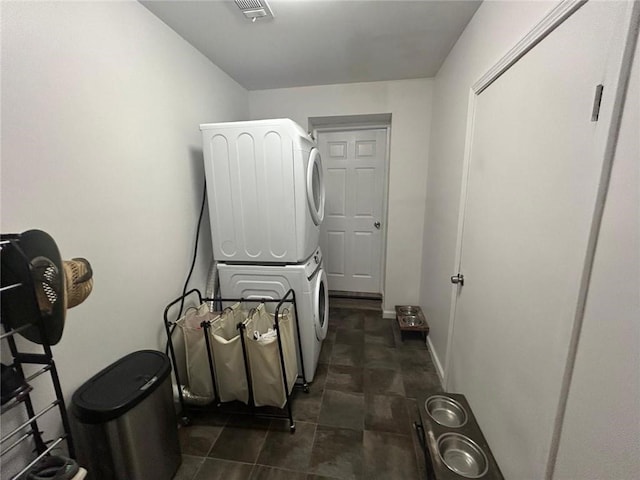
(321, 304)
(315, 187)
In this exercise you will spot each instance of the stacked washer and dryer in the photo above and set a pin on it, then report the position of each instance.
(266, 204)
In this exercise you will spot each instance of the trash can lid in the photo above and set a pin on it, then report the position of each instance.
(120, 387)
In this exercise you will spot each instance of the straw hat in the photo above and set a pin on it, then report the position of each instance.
(78, 280)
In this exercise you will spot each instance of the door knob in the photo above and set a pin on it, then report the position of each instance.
(457, 279)
(377, 225)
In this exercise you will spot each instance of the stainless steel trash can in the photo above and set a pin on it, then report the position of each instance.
(124, 422)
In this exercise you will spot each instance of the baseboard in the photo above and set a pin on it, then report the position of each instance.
(436, 361)
(432, 352)
(355, 295)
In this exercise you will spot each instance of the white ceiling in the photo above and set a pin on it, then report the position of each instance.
(320, 42)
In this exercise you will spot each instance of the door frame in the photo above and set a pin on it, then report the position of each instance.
(363, 125)
(617, 77)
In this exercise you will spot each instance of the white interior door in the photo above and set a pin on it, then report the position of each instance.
(351, 236)
(534, 173)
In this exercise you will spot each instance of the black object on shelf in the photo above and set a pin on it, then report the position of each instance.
(32, 259)
(13, 385)
(54, 468)
(33, 307)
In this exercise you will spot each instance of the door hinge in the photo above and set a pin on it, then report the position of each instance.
(595, 112)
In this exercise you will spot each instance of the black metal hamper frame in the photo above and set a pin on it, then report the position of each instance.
(288, 298)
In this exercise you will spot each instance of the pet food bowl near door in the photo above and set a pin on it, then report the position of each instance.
(446, 411)
(453, 444)
(462, 455)
(411, 319)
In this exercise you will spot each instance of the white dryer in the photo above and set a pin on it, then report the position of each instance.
(265, 191)
(309, 282)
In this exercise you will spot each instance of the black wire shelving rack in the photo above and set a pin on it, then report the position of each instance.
(30, 429)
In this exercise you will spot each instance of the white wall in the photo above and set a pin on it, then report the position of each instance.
(601, 431)
(101, 104)
(493, 31)
(409, 102)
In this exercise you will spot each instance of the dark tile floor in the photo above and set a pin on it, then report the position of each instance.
(355, 423)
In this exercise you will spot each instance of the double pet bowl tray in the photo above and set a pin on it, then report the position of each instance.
(453, 442)
(411, 318)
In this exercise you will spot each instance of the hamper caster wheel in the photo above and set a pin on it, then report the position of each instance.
(186, 421)
(292, 428)
(305, 389)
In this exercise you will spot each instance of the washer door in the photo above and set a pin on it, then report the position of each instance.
(320, 304)
(315, 187)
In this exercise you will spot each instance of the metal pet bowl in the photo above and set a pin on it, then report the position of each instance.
(446, 411)
(408, 310)
(462, 455)
(411, 320)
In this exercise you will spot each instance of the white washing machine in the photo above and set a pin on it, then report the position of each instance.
(265, 191)
(309, 282)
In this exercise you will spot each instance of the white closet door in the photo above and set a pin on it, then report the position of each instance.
(533, 181)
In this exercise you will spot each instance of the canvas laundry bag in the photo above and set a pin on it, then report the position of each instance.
(228, 356)
(264, 358)
(198, 372)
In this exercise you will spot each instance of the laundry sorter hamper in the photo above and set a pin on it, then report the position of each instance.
(229, 362)
(239, 354)
(268, 368)
(197, 363)
(125, 422)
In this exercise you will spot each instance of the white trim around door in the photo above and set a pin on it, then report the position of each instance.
(616, 80)
(358, 127)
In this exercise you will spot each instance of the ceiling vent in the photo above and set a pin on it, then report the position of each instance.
(255, 9)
